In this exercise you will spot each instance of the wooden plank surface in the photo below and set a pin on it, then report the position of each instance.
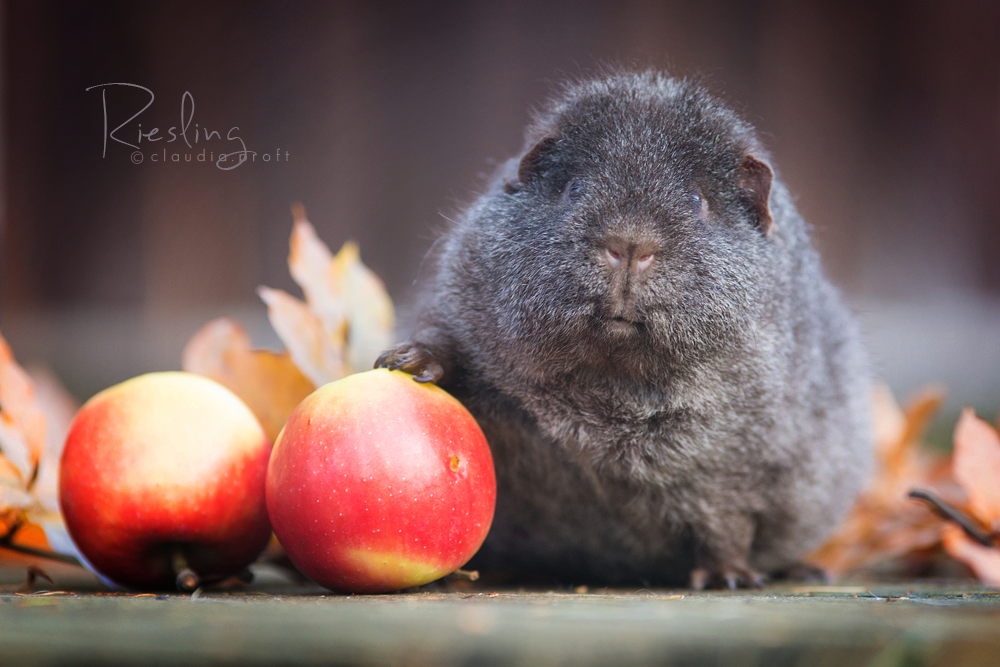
(276, 621)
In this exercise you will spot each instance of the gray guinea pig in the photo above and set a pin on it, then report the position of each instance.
(633, 311)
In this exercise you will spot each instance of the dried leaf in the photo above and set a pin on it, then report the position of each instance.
(976, 467)
(984, 561)
(57, 404)
(309, 262)
(902, 460)
(34, 419)
(888, 425)
(369, 309)
(884, 522)
(15, 448)
(316, 350)
(347, 318)
(12, 491)
(883, 525)
(59, 408)
(268, 382)
(18, 410)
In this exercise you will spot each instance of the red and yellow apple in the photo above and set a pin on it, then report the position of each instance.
(161, 472)
(379, 483)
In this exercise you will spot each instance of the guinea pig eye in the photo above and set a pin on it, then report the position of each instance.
(573, 190)
(698, 204)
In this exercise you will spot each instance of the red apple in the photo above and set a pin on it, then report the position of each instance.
(379, 483)
(165, 471)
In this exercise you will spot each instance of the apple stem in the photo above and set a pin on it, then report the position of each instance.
(7, 542)
(187, 579)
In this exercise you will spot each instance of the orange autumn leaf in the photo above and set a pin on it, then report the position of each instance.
(268, 382)
(13, 493)
(901, 457)
(984, 561)
(35, 413)
(976, 467)
(22, 423)
(965, 488)
(345, 321)
(59, 409)
(884, 522)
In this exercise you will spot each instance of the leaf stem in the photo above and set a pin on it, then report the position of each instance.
(7, 542)
(952, 513)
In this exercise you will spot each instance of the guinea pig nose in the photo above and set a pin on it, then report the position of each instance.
(634, 254)
(642, 254)
(614, 257)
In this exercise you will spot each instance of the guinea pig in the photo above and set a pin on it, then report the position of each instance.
(672, 390)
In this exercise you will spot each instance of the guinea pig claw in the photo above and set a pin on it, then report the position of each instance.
(741, 576)
(733, 578)
(699, 579)
(414, 359)
(425, 376)
(744, 576)
(383, 359)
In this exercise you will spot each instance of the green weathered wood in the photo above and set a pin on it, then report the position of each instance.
(276, 622)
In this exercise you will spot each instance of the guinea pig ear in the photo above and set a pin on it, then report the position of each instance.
(755, 179)
(533, 160)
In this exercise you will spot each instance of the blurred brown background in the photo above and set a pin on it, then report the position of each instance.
(883, 117)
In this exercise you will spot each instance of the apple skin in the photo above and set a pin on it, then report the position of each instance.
(379, 483)
(160, 464)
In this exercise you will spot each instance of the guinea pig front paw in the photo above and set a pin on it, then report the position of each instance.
(414, 359)
(731, 576)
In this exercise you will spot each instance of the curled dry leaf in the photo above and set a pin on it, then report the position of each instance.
(268, 382)
(309, 263)
(22, 423)
(317, 349)
(12, 489)
(976, 468)
(884, 523)
(345, 321)
(347, 318)
(59, 409)
(982, 560)
(370, 314)
(35, 414)
(965, 488)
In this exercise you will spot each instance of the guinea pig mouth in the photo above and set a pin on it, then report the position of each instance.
(622, 325)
